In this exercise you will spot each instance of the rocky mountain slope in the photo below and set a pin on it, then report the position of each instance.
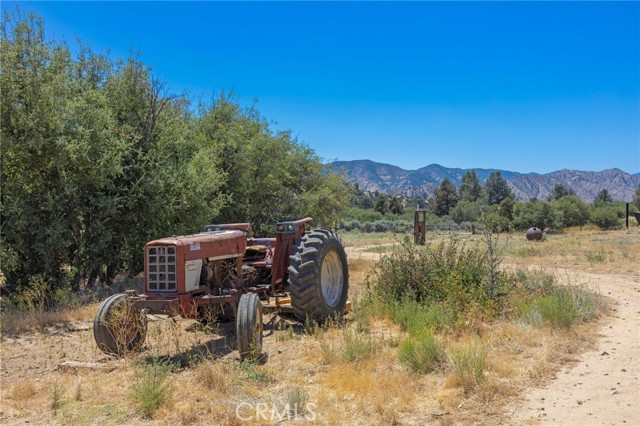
(385, 178)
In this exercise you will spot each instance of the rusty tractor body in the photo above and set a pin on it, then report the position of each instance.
(225, 272)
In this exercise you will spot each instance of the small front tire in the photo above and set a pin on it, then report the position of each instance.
(249, 327)
(118, 328)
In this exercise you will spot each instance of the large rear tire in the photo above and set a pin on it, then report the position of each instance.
(318, 276)
(249, 327)
(118, 328)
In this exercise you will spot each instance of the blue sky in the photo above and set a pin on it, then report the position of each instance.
(519, 86)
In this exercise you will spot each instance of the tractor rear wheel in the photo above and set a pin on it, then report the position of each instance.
(318, 276)
(118, 328)
(249, 326)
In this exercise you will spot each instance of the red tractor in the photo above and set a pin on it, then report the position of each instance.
(225, 272)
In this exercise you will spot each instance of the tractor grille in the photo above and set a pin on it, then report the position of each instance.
(161, 268)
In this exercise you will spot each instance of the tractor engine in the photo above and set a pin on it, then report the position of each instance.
(182, 264)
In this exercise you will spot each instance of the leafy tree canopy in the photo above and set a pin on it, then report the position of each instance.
(497, 189)
(446, 198)
(560, 191)
(603, 197)
(99, 158)
(470, 188)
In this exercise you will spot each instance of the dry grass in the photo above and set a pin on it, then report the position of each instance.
(23, 390)
(376, 388)
(13, 321)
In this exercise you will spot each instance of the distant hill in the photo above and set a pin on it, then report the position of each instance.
(386, 178)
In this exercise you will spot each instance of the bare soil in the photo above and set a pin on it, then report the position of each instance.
(603, 386)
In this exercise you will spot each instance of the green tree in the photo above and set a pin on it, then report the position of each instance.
(35, 90)
(571, 211)
(636, 199)
(497, 189)
(559, 191)
(470, 188)
(465, 211)
(361, 199)
(446, 198)
(506, 207)
(98, 159)
(395, 205)
(271, 177)
(381, 204)
(534, 213)
(603, 197)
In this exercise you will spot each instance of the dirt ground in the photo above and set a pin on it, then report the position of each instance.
(598, 387)
(603, 386)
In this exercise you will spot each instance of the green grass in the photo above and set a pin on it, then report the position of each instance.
(563, 308)
(87, 413)
(356, 346)
(352, 346)
(596, 257)
(56, 397)
(251, 372)
(469, 363)
(422, 353)
(414, 318)
(527, 251)
(380, 249)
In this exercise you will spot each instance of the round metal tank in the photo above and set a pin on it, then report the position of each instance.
(534, 234)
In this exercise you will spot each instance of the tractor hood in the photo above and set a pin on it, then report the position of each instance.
(210, 245)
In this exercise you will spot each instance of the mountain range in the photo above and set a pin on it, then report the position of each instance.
(371, 176)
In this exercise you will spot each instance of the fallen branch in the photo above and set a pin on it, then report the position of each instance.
(85, 365)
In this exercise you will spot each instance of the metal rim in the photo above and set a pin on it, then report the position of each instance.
(331, 279)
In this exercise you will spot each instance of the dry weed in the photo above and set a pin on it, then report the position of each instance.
(23, 390)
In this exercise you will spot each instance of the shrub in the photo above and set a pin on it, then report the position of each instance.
(571, 211)
(422, 353)
(56, 396)
(605, 217)
(494, 222)
(449, 273)
(296, 401)
(151, 387)
(466, 211)
(534, 213)
(537, 282)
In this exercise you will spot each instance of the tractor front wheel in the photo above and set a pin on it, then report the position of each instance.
(249, 326)
(318, 276)
(118, 328)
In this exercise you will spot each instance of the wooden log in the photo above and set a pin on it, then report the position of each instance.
(66, 365)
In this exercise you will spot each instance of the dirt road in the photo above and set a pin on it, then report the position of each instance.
(603, 388)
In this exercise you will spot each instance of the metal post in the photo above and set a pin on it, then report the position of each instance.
(627, 216)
